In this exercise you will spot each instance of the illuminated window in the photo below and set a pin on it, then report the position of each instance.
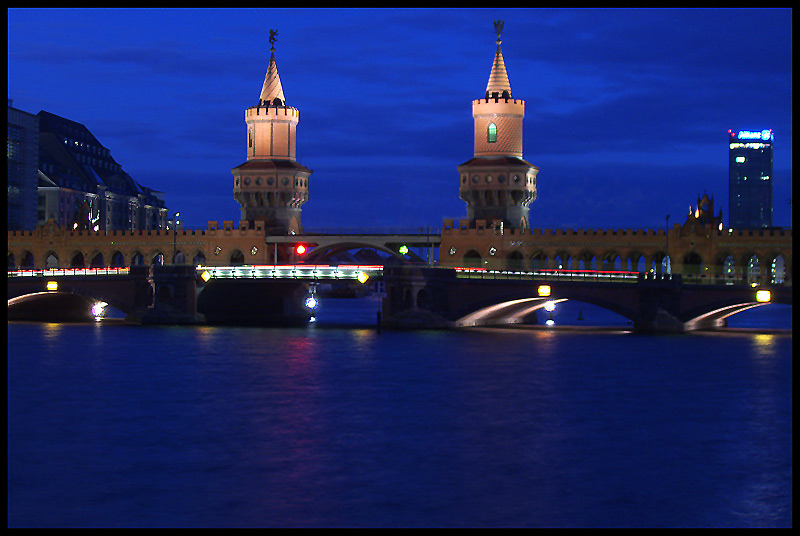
(492, 133)
(740, 160)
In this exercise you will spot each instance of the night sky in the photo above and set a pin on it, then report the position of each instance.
(627, 111)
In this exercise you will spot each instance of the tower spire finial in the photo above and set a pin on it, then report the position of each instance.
(273, 36)
(498, 78)
(498, 28)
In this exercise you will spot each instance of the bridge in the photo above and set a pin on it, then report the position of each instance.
(420, 297)
(416, 295)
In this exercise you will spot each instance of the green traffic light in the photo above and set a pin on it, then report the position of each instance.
(403, 249)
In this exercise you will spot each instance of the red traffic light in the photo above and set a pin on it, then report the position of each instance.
(300, 249)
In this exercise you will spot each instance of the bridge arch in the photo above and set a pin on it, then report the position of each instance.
(117, 259)
(777, 269)
(322, 253)
(51, 260)
(587, 260)
(473, 258)
(562, 260)
(77, 260)
(539, 260)
(97, 260)
(515, 260)
(692, 263)
(752, 265)
(236, 258)
(199, 257)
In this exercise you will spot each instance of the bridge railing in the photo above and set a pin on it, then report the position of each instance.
(561, 275)
(290, 271)
(60, 272)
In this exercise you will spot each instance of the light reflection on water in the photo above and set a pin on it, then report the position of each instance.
(207, 426)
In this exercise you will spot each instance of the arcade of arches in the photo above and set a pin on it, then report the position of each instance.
(693, 250)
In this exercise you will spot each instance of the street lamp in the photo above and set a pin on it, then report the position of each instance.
(175, 235)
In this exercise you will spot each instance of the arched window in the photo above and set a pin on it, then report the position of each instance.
(491, 134)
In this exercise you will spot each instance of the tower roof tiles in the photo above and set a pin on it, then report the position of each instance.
(498, 79)
(272, 88)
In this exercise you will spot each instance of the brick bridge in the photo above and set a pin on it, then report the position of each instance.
(418, 297)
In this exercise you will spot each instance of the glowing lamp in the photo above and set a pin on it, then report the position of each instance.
(362, 277)
(544, 290)
(403, 249)
(311, 302)
(52, 286)
(205, 276)
(300, 249)
(763, 296)
(98, 309)
(549, 306)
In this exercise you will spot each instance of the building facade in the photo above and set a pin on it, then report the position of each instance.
(271, 186)
(23, 163)
(81, 186)
(750, 179)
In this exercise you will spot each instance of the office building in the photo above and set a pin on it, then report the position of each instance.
(23, 160)
(750, 179)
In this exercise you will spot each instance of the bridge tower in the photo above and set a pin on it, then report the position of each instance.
(271, 185)
(497, 184)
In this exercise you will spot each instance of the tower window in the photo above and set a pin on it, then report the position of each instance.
(491, 135)
(250, 137)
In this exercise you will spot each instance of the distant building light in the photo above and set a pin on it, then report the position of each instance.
(740, 160)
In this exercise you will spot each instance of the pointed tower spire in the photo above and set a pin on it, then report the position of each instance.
(272, 88)
(498, 79)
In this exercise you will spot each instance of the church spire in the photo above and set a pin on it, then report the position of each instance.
(498, 79)
(272, 88)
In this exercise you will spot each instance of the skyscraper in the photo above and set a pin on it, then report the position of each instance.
(750, 179)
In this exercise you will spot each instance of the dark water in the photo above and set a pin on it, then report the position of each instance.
(120, 426)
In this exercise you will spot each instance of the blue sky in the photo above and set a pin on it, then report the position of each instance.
(627, 111)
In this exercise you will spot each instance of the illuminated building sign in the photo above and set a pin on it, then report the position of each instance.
(755, 135)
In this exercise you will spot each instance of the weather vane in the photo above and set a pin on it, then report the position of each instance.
(498, 28)
(273, 36)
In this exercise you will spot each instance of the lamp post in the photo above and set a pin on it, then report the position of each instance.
(175, 235)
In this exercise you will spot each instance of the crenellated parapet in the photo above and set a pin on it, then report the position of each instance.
(704, 250)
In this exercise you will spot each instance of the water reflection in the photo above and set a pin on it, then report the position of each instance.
(764, 345)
